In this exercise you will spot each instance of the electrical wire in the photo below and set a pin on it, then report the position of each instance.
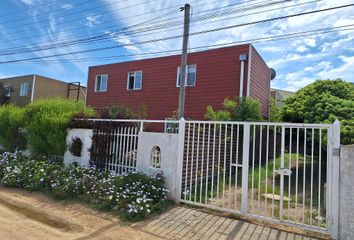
(293, 35)
(126, 32)
(178, 36)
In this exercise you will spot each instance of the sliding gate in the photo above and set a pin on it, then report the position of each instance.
(281, 172)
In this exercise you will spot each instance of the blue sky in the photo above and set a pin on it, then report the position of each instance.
(298, 61)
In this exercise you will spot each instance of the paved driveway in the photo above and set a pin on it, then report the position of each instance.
(190, 224)
(29, 216)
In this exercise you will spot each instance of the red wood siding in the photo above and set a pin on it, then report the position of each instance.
(260, 81)
(218, 76)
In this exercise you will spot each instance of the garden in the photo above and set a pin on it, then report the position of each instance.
(30, 135)
(134, 196)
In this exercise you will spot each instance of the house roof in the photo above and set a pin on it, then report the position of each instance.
(283, 93)
(31, 75)
(174, 55)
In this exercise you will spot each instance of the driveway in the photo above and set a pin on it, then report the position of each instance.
(29, 216)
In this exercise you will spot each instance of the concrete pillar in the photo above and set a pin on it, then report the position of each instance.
(346, 199)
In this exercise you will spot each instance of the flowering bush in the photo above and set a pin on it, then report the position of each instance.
(135, 195)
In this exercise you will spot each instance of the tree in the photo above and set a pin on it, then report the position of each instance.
(239, 109)
(274, 111)
(324, 101)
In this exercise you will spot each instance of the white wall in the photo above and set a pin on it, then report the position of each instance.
(168, 144)
(346, 200)
(86, 137)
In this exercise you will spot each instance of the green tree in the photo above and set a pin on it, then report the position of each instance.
(239, 109)
(274, 111)
(324, 101)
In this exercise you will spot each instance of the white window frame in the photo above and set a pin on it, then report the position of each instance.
(100, 90)
(141, 81)
(8, 89)
(23, 89)
(186, 77)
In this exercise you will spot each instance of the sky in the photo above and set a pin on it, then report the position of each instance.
(125, 27)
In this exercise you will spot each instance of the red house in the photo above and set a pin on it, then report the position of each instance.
(212, 76)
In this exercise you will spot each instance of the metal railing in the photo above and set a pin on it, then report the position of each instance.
(283, 172)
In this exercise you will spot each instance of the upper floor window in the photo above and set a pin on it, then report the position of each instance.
(8, 90)
(191, 75)
(24, 89)
(101, 83)
(135, 80)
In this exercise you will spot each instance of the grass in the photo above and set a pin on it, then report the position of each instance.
(259, 175)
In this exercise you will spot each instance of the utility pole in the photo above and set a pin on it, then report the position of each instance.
(182, 87)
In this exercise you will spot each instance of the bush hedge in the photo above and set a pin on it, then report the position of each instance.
(47, 123)
(135, 196)
(11, 125)
(42, 123)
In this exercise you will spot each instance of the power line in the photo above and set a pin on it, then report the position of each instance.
(124, 18)
(178, 36)
(255, 40)
(33, 7)
(65, 15)
(109, 36)
(86, 40)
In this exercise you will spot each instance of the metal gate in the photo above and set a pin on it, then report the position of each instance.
(276, 171)
(114, 145)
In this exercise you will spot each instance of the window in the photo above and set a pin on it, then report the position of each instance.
(155, 160)
(8, 90)
(135, 80)
(101, 83)
(191, 78)
(24, 89)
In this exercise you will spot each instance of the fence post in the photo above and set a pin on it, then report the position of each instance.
(179, 163)
(334, 184)
(141, 126)
(245, 160)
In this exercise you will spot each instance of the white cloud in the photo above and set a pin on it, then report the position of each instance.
(311, 42)
(273, 49)
(302, 49)
(322, 66)
(27, 2)
(123, 39)
(344, 71)
(93, 20)
(67, 6)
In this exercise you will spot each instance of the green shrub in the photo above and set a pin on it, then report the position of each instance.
(47, 121)
(11, 125)
(135, 196)
(324, 101)
(118, 111)
(239, 109)
(274, 111)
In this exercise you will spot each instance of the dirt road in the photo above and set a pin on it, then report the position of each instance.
(33, 216)
(30, 216)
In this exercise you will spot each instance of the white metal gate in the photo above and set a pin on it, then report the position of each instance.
(276, 171)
